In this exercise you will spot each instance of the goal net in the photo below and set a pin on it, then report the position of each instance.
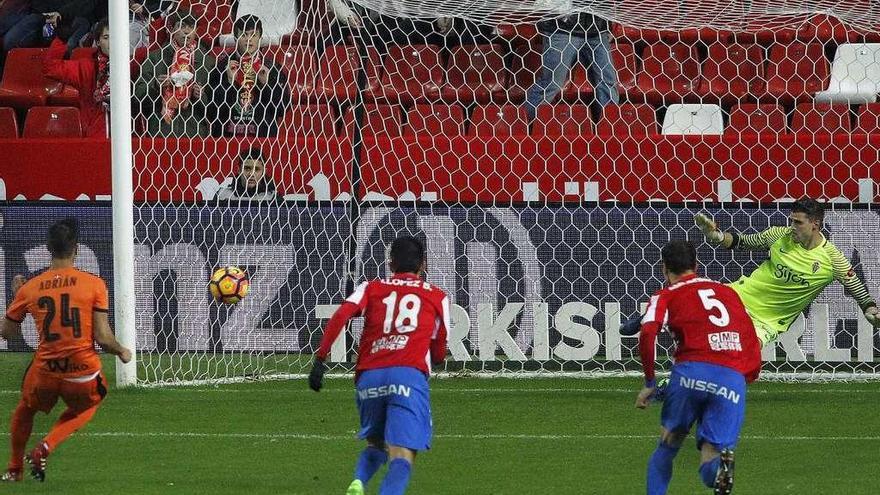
(544, 151)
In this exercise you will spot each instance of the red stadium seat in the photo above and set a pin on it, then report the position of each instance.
(475, 73)
(563, 120)
(637, 35)
(823, 28)
(379, 120)
(767, 30)
(499, 120)
(628, 119)
(298, 63)
(8, 123)
(626, 63)
(869, 119)
(435, 120)
(526, 69)
(24, 85)
(796, 71)
(309, 120)
(412, 73)
(337, 73)
(821, 118)
(757, 119)
(733, 73)
(52, 122)
(670, 73)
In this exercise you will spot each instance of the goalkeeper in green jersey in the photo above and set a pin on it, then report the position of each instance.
(801, 264)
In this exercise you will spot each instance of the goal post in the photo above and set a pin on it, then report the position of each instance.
(299, 153)
(122, 196)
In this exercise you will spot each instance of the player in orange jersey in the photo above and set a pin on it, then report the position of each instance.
(70, 309)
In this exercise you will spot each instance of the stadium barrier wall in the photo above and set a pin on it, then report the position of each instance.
(494, 169)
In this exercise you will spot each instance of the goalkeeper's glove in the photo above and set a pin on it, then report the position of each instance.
(710, 230)
(316, 376)
(872, 314)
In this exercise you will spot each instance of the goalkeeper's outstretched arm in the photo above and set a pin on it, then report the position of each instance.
(854, 286)
(760, 241)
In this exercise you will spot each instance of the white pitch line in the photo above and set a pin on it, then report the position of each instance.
(454, 436)
(305, 390)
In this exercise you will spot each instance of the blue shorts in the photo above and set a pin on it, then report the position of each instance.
(713, 395)
(394, 405)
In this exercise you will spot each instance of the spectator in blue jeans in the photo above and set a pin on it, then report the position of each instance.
(568, 39)
(27, 31)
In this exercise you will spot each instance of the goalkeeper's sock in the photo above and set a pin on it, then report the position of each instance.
(397, 478)
(709, 471)
(369, 462)
(660, 468)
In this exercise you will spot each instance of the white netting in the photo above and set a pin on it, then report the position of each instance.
(544, 163)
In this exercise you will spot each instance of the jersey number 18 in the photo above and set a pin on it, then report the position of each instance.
(407, 312)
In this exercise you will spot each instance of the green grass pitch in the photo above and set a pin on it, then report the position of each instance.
(493, 436)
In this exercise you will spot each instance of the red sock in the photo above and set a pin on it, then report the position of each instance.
(67, 425)
(22, 424)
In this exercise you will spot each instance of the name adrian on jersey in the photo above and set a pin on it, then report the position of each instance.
(384, 391)
(787, 274)
(712, 388)
(725, 341)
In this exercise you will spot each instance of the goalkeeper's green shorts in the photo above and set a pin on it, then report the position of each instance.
(766, 333)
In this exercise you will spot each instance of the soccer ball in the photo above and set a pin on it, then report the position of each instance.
(229, 285)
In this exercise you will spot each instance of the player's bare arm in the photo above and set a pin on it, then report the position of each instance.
(105, 338)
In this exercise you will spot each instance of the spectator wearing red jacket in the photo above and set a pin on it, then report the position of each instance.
(91, 76)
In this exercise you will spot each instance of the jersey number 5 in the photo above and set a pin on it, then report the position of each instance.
(407, 313)
(69, 317)
(710, 303)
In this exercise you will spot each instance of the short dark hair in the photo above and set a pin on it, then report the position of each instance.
(183, 17)
(245, 23)
(407, 254)
(98, 29)
(812, 208)
(679, 256)
(63, 238)
(250, 154)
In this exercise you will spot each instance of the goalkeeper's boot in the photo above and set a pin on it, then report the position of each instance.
(660, 390)
(355, 488)
(37, 460)
(11, 475)
(724, 478)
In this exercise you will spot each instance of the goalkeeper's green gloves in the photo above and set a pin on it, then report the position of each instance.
(710, 230)
(316, 377)
(872, 314)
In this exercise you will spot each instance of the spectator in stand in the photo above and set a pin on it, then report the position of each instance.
(252, 183)
(172, 83)
(37, 27)
(141, 14)
(91, 76)
(11, 13)
(566, 39)
(249, 91)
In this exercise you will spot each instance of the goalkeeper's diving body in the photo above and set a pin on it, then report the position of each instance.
(802, 263)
